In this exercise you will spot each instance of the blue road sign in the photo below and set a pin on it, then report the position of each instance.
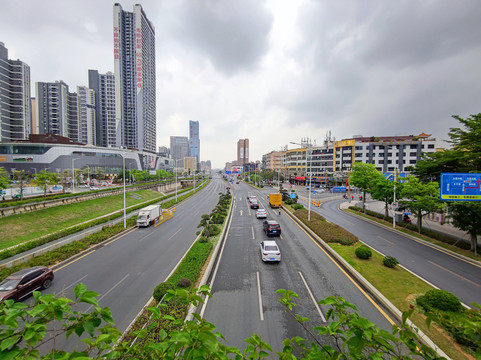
(460, 187)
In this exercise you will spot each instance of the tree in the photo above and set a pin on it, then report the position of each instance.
(25, 327)
(43, 178)
(467, 216)
(364, 176)
(4, 178)
(22, 176)
(464, 157)
(382, 189)
(421, 198)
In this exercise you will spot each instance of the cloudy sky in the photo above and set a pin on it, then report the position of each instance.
(273, 71)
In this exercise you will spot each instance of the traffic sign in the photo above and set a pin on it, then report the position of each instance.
(394, 205)
(460, 187)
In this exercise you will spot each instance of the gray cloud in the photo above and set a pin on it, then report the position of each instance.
(233, 35)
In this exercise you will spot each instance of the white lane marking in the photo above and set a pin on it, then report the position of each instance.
(253, 237)
(108, 292)
(312, 297)
(174, 234)
(260, 296)
(240, 212)
(74, 283)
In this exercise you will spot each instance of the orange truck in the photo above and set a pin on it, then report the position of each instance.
(275, 200)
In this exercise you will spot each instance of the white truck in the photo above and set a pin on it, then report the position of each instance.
(147, 215)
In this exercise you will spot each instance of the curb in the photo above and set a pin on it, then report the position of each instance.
(367, 285)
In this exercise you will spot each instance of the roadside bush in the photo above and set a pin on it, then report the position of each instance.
(297, 206)
(203, 239)
(214, 230)
(288, 201)
(363, 252)
(161, 289)
(390, 261)
(439, 300)
(184, 283)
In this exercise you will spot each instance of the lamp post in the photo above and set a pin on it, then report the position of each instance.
(308, 153)
(123, 168)
(394, 200)
(73, 175)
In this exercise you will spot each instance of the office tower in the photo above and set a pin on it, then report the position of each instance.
(242, 152)
(15, 105)
(134, 69)
(194, 141)
(52, 108)
(179, 148)
(104, 87)
(86, 115)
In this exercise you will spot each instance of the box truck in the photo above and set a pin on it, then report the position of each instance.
(147, 215)
(275, 200)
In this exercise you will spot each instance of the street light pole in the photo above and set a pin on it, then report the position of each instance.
(310, 177)
(394, 210)
(308, 153)
(73, 175)
(123, 167)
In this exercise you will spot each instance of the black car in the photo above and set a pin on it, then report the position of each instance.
(22, 283)
(254, 205)
(272, 227)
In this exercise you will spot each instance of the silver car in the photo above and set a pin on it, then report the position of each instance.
(270, 251)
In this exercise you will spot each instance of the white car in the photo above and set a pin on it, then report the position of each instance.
(261, 214)
(270, 251)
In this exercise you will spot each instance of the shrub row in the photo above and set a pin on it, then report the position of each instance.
(329, 232)
(427, 232)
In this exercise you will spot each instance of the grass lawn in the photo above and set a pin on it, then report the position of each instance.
(17, 229)
(400, 287)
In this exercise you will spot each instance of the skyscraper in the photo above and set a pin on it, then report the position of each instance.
(194, 141)
(179, 149)
(104, 87)
(15, 104)
(134, 69)
(242, 152)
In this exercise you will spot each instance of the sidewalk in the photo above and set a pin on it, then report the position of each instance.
(446, 228)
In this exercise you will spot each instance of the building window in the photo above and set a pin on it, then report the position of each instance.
(431, 146)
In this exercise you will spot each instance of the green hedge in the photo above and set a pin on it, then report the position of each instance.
(329, 232)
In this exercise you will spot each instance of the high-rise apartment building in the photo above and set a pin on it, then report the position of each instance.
(242, 152)
(86, 115)
(194, 141)
(15, 104)
(134, 69)
(179, 148)
(52, 108)
(104, 87)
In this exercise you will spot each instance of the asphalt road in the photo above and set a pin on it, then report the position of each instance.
(126, 270)
(244, 299)
(439, 267)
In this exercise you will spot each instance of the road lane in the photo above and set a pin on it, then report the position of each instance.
(234, 307)
(126, 270)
